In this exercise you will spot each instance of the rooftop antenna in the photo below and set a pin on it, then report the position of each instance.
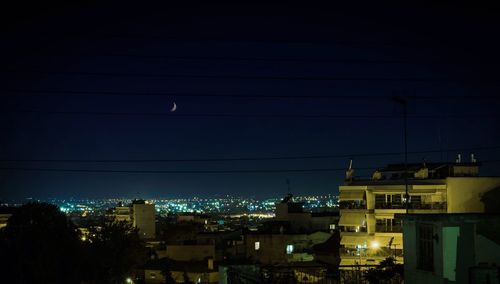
(404, 103)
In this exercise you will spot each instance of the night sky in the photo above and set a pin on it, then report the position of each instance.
(87, 91)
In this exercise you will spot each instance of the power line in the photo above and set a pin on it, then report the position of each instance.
(33, 92)
(269, 158)
(221, 115)
(270, 59)
(175, 171)
(232, 77)
(253, 171)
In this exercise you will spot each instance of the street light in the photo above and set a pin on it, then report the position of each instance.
(374, 245)
(128, 280)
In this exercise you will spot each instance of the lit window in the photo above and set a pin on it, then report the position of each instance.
(289, 249)
(332, 226)
(257, 245)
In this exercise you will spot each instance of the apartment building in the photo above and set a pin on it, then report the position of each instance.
(141, 214)
(369, 230)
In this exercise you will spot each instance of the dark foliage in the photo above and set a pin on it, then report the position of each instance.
(39, 245)
(113, 252)
(387, 272)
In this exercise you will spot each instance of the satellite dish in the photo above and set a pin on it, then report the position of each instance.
(174, 108)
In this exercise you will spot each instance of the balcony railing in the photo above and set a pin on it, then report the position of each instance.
(351, 205)
(389, 229)
(379, 252)
(424, 206)
(389, 205)
(428, 206)
(353, 229)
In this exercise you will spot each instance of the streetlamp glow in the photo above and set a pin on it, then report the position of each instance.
(129, 280)
(374, 245)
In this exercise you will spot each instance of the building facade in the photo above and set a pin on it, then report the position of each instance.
(141, 214)
(451, 248)
(369, 230)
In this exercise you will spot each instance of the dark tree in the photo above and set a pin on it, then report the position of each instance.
(386, 272)
(39, 245)
(167, 273)
(113, 252)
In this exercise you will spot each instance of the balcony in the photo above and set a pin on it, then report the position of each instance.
(420, 206)
(428, 206)
(389, 229)
(364, 252)
(351, 205)
(353, 229)
(389, 205)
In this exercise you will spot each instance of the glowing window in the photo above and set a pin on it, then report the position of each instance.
(332, 226)
(289, 249)
(257, 245)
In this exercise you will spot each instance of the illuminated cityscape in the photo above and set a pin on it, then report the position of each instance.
(224, 205)
(246, 142)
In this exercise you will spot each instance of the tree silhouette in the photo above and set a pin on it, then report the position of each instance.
(113, 252)
(39, 245)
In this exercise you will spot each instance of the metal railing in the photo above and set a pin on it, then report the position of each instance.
(351, 205)
(428, 206)
(297, 274)
(389, 229)
(424, 206)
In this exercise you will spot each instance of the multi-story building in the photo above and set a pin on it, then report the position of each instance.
(292, 235)
(369, 231)
(141, 214)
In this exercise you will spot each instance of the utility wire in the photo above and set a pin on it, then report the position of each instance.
(269, 158)
(269, 59)
(220, 76)
(253, 171)
(34, 92)
(174, 171)
(221, 115)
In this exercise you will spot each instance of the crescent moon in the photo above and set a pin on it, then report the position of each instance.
(174, 108)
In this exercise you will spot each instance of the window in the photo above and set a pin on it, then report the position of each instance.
(257, 245)
(416, 199)
(379, 200)
(289, 249)
(332, 226)
(425, 247)
(396, 198)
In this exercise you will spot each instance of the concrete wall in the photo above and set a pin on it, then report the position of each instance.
(144, 220)
(323, 222)
(154, 276)
(273, 246)
(464, 193)
(187, 252)
(487, 251)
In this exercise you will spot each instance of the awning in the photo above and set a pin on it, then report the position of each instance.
(353, 240)
(352, 219)
(352, 195)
